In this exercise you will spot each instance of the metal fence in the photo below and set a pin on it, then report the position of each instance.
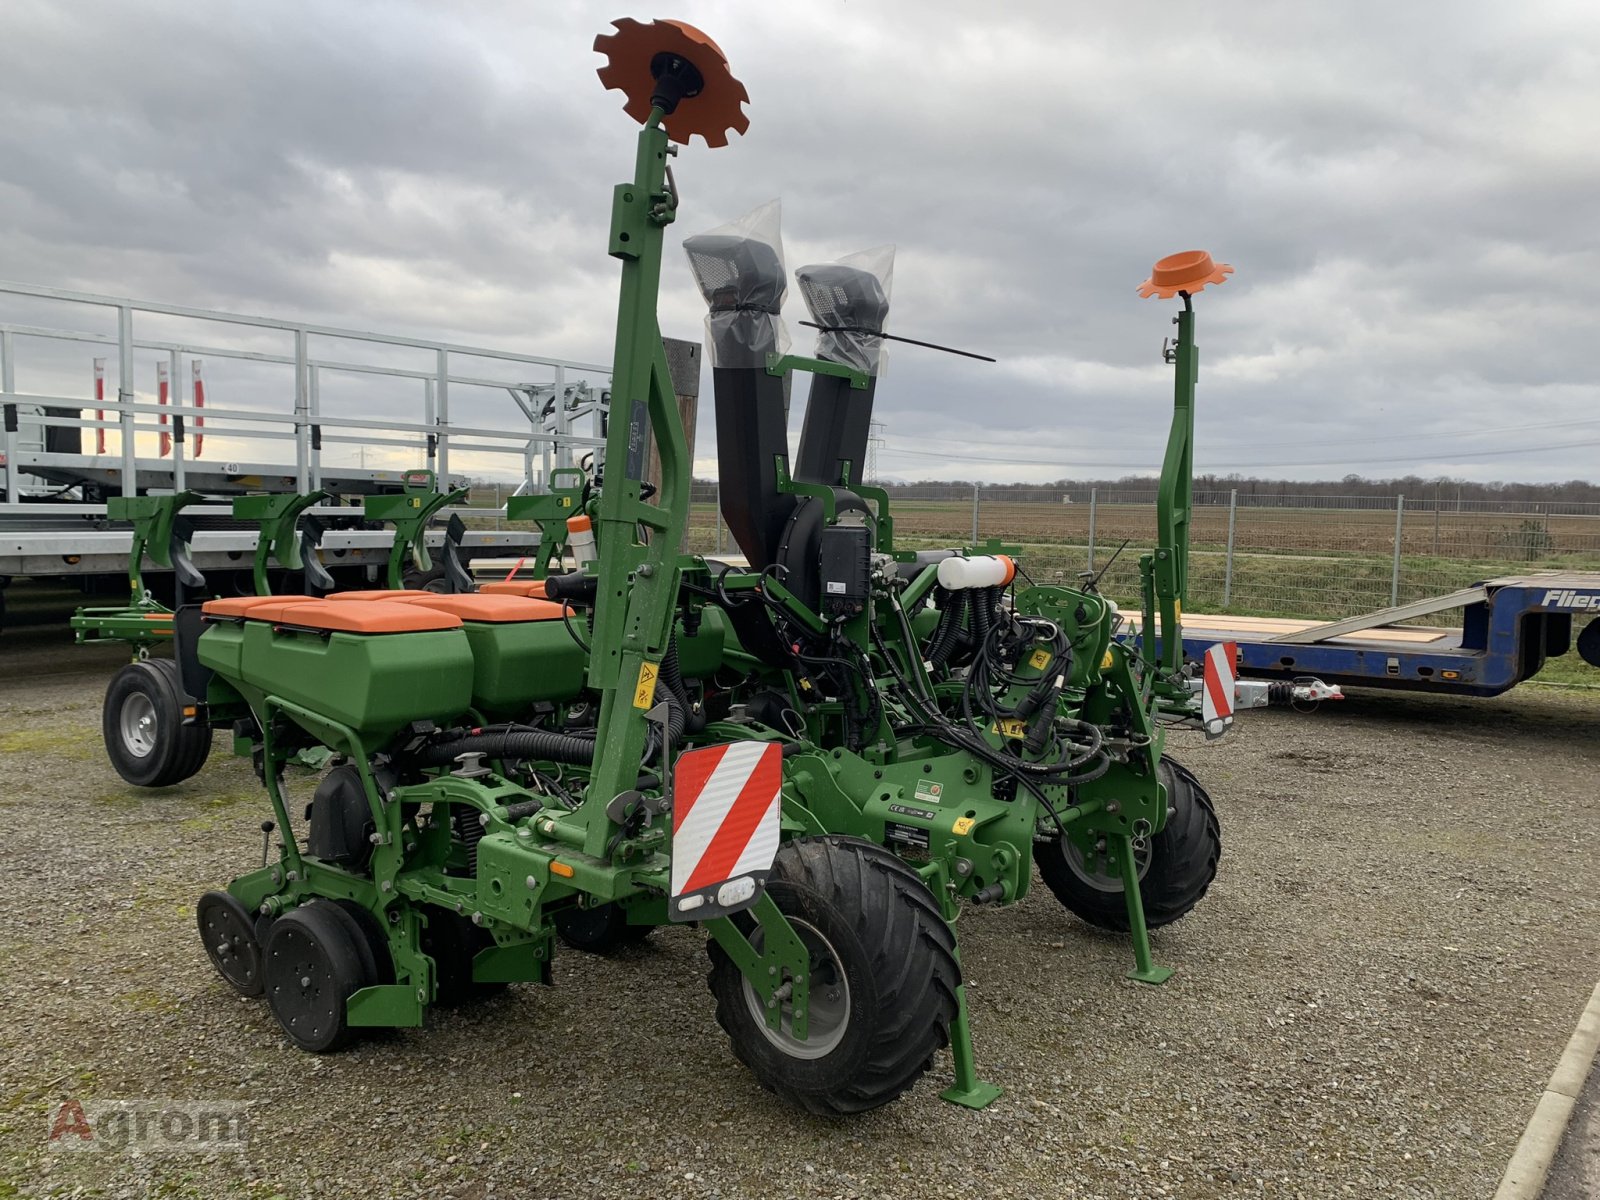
(1263, 555)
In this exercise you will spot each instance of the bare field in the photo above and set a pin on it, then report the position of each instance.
(1509, 538)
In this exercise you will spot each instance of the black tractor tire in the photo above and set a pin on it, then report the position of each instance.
(883, 979)
(142, 725)
(600, 929)
(316, 958)
(1181, 864)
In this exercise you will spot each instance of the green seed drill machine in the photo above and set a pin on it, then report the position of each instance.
(817, 755)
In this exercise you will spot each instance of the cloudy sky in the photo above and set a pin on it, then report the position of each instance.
(1410, 193)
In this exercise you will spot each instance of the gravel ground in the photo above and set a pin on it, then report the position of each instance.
(1367, 1004)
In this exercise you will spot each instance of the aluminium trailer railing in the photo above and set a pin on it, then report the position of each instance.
(547, 432)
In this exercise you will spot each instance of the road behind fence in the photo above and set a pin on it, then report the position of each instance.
(1262, 555)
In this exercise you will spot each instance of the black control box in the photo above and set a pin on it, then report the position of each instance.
(846, 565)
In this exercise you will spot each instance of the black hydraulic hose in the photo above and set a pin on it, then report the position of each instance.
(677, 718)
(982, 616)
(512, 744)
(672, 676)
(548, 745)
(944, 637)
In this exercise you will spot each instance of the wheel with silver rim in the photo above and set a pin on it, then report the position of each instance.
(829, 1007)
(1096, 867)
(142, 723)
(881, 979)
(1175, 866)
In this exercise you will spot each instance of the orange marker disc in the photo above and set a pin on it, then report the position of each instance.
(1188, 271)
(711, 112)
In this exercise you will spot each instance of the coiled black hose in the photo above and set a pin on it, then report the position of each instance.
(678, 706)
(945, 636)
(578, 749)
(982, 614)
(511, 744)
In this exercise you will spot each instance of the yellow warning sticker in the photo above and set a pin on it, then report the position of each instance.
(1040, 659)
(963, 826)
(566, 502)
(1107, 661)
(1011, 728)
(645, 694)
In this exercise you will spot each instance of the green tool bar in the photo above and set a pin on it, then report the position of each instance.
(638, 583)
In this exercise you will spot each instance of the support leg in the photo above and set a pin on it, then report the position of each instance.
(968, 1090)
(1144, 970)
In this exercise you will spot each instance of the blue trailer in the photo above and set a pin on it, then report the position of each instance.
(1510, 626)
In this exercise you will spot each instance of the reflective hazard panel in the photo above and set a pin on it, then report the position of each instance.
(726, 802)
(1216, 697)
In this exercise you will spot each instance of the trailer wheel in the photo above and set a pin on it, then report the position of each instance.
(883, 979)
(316, 959)
(1589, 643)
(600, 929)
(1174, 872)
(142, 725)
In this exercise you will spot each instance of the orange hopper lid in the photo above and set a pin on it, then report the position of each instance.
(488, 607)
(371, 594)
(1186, 271)
(513, 587)
(711, 112)
(236, 606)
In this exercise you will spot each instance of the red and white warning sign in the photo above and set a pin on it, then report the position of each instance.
(1216, 697)
(725, 809)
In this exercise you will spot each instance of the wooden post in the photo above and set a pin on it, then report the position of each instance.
(683, 362)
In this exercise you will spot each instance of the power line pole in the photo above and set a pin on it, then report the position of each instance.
(874, 440)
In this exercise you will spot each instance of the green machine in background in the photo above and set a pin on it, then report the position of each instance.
(551, 510)
(819, 758)
(155, 725)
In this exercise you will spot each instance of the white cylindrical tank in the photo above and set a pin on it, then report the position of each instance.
(984, 570)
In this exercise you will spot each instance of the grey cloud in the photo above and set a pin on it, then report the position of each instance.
(1406, 191)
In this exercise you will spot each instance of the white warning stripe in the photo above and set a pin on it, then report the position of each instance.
(1216, 693)
(711, 807)
(763, 844)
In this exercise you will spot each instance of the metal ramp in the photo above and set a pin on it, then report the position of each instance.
(1384, 616)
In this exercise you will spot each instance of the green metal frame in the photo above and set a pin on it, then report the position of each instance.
(1164, 575)
(278, 517)
(143, 621)
(550, 510)
(409, 511)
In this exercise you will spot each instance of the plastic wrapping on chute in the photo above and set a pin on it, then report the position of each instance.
(739, 270)
(850, 298)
